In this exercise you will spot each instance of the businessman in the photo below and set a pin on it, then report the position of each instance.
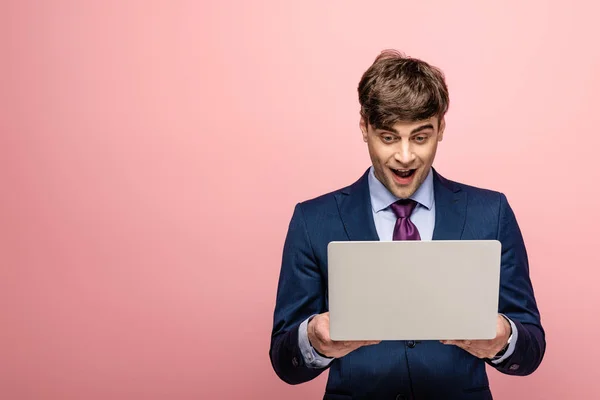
(401, 197)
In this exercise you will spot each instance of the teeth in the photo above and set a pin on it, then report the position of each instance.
(404, 173)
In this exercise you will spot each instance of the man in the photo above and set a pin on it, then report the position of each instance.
(401, 197)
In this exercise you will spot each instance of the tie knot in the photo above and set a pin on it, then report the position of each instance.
(403, 208)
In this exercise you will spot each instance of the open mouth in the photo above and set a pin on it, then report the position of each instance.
(404, 173)
(403, 176)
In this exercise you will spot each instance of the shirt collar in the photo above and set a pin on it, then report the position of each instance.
(382, 198)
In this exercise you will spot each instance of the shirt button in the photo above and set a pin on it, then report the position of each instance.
(514, 367)
(411, 344)
(295, 362)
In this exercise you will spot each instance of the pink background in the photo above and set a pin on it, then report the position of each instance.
(151, 154)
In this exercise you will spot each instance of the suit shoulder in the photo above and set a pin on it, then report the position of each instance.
(319, 212)
(478, 194)
(320, 203)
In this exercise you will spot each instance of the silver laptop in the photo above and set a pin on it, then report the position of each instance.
(413, 290)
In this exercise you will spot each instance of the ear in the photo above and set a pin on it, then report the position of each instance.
(363, 128)
(442, 126)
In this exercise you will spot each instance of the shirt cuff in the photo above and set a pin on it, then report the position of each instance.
(312, 359)
(512, 340)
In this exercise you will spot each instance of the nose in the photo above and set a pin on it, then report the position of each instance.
(405, 155)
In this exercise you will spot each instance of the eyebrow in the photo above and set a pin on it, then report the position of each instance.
(416, 130)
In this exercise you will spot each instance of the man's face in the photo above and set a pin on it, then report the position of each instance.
(402, 154)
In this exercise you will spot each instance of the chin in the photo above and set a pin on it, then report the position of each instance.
(405, 193)
(402, 191)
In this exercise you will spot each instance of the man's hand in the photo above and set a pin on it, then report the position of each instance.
(486, 348)
(318, 335)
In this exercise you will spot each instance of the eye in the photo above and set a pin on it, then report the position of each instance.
(421, 139)
(387, 138)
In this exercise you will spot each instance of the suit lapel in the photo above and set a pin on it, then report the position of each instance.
(450, 209)
(354, 204)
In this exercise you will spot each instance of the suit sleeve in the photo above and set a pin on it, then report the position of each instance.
(517, 300)
(301, 293)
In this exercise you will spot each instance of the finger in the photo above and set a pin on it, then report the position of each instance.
(322, 330)
(450, 342)
(323, 336)
(355, 344)
(369, 342)
(477, 348)
(459, 342)
(478, 352)
(482, 343)
(473, 350)
(481, 346)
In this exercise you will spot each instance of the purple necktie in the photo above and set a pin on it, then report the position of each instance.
(405, 229)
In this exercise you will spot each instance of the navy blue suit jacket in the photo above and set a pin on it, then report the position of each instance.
(398, 369)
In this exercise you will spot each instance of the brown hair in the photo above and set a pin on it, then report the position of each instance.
(399, 88)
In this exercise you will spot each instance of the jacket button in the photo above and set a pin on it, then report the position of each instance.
(295, 361)
(514, 367)
(401, 397)
(411, 344)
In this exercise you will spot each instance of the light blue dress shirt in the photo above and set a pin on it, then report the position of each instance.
(423, 216)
